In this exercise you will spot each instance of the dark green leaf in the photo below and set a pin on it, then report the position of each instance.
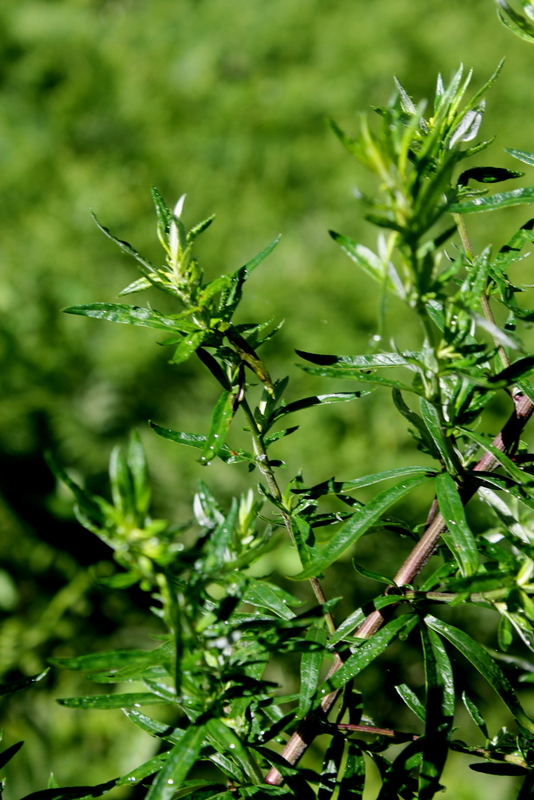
(505, 462)
(373, 576)
(180, 760)
(439, 712)
(21, 683)
(487, 175)
(514, 198)
(72, 792)
(349, 625)
(310, 667)
(487, 667)
(499, 769)
(231, 298)
(337, 487)
(437, 434)
(130, 700)
(510, 375)
(198, 441)
(464, 548)
(152, 726)
(331, 767)
(362, 520)
(114, 660)
(7, 754)
(143, 770)
(227, 739)
(220, 422)
(352, 782)
(267, 595)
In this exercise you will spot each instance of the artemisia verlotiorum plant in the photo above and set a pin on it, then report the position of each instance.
(224, 625)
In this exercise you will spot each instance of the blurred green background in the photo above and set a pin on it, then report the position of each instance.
(225, 100)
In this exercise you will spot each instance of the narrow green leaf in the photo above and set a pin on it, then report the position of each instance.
(331, 767)
(368, 651)
(71, 792)
(526, 158)
(364, 258)
(267, 595)
(231, 298)
(362, 520)
(7, 754)
(337, 487)
(373, 576)
(233, 746)
(218, 285)
(437, 434)
(515, 197)
(220, 422)
(352, 782)
(153, 727)
(508, 376)
(487, 175)
(21, 683)
(450, 504)
(361, 362)
(188, 346)
(136, 286)
(317, 400)
(304, 540)
(137, 464)
(180, 760)
(349, 625)
(114, 660)
(439, 712)
(198, 441)
(485, 664)
(505, 462)
(415, 420)
(475, 714)
(411, 700)
(143, 770)
(310, 668)
(130, 315)
(199, 228)
(130, 700)
(355, 375)
(221, 538)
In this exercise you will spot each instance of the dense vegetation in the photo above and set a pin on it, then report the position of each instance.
(104, 99)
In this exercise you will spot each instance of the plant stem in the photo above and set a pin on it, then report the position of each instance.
(265, 468)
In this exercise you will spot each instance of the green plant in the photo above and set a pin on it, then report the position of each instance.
(224, 624)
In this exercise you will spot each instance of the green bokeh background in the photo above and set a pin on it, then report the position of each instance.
(225, 100)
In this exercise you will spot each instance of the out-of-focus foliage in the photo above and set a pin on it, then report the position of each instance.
(225, 99)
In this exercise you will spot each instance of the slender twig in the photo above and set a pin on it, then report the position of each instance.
(415, 562)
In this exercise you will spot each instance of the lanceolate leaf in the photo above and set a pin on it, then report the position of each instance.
(500, 457)
(487, 667)
(7, 754)
(187, 346)
(130, 700)
(180, 760)
(220, 422)
(352, 783)
(143, 770)
(435, 429)
(21, 683)
(198, 441)
(230, 298)
(362, 520)
(450, 504)
(516, 197)
(527, 158)
(310, 667)
(72, 792)
(317, 400)
(364, 258)
(361, 362)
(369, 650)
(411, 700)
(130, 315)
(439, 712)
(337, 487)
(356, 375)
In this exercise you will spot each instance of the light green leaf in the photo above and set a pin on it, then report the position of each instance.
(362, 362)
(153, 727)
(130, 315)
(349, 625)
(362, 520)
(368, 651)
(485, 664)
(113, 660)
(143, 770)
(137, 286)
(515, 197)
(411, 700)
(232, 744)
(310, 668)
(221, 538)
(355, 375)
(220, 422)
(464, 547)
(364, 258)
(130, 700)
(526, 158)
(267, 595)
(187, 346)
(180, 760)
(337, 487)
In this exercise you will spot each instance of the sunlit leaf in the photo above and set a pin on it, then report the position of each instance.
(464, 547)
(180, 760)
